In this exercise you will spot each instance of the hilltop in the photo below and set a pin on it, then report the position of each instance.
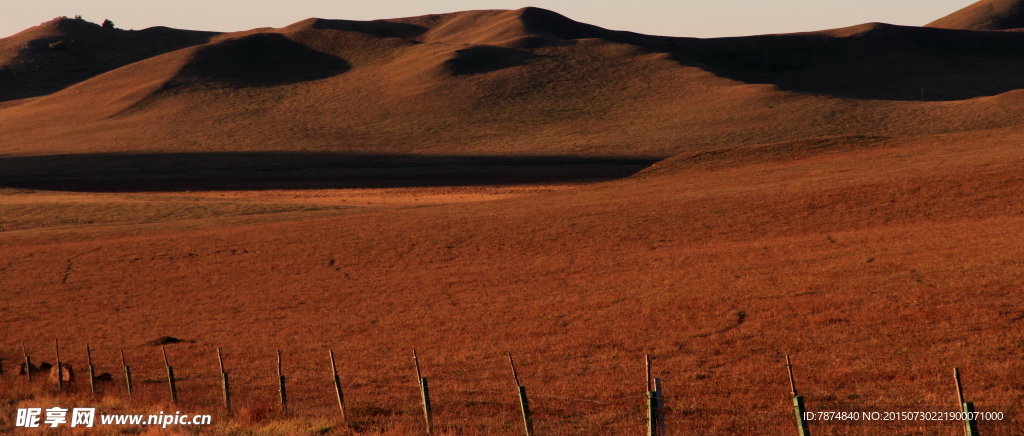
(65, 51)
(985, 15)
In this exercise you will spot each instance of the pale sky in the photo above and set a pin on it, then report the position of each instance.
(695, 18)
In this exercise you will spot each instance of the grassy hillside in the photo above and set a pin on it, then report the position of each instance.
(985, 15)
(526, 82)
(61, 52)
(485, 182)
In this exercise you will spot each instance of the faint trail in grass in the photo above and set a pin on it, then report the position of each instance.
(70, 264)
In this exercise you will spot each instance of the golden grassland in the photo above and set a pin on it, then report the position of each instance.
(29, 208)
(456, 184)
(877, 268)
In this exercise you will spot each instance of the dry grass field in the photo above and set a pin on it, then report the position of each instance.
(473, 184)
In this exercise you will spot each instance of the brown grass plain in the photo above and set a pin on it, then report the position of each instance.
(793, 210)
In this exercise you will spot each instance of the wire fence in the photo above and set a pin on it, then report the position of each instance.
(462, 402)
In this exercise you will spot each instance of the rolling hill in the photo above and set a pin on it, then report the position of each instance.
(481, 182)
(494, 84)
(985, 15)
(65, 51)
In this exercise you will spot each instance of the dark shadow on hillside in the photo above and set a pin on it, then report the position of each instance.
(260, 171)
(869, 61)
(877, 61)
(263, 59)
(486, 58)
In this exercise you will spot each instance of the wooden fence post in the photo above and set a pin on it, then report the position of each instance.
(337, 388)
(798, 403)
(127, 374)
(60, 368)
(28, 362)
(970, 422)
(424, 393)
(92, 370)
(652, 401)
(524, 402)
(524, 405)
(647, 363)
(427, 411)
(281, 388)
(652, 413)
(225, 386)
(170, 376)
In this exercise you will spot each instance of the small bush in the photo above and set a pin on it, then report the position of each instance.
(164, 340)
(78, 17)
(107, 24)
(256, 414)
(59, 45)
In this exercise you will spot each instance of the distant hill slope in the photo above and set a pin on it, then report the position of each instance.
(30, 67)
(985, 15)
(872, 61)
(528, 82)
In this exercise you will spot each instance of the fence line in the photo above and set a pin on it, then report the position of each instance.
(300, 392)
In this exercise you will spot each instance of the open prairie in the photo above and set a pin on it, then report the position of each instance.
(486, 182)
